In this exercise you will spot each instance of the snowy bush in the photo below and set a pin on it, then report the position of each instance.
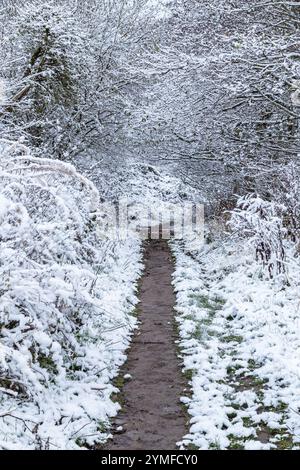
(58, 317)
(287, 192)
(261, 222)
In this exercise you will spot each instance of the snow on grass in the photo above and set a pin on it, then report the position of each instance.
(66, 307)
(240, 338)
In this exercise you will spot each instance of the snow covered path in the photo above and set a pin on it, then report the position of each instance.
(152, 416)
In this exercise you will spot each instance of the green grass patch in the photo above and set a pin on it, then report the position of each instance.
(247, 422)
(238, 443)
(232, 339)
(192, 446)
(215, 446)
(102, 427)
(203, 301)
(189, 374)
(232, 415)
(46, 362)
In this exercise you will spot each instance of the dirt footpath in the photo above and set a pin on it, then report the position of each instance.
(152, 416)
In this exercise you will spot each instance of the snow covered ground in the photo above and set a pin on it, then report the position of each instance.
(240, 340)
(68, 296)
(66, 310)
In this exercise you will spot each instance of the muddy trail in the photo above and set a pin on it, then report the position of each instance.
(152, 416)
